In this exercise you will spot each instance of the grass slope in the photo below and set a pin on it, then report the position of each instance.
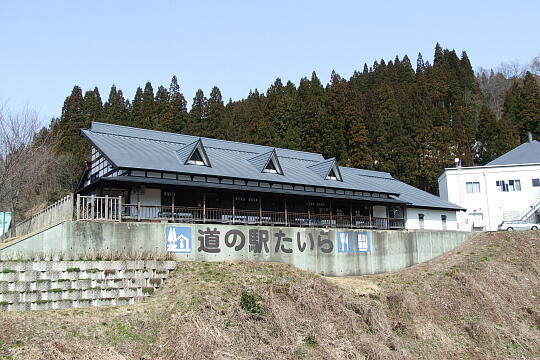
(479, 301)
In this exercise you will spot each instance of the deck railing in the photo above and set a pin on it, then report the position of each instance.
(112, 209)
(99, 208)
(53, 214)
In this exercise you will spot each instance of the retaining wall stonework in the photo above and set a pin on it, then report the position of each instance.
(42, 285)
(329, 251)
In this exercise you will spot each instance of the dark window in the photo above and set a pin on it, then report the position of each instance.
(509, 185)
(271, 167)
(332, 175)
(535, 182)
(443, 219)
(421, 220)
(196, 158)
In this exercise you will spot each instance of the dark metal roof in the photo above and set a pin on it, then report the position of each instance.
(132, 148)
(526, 153)
(158, 181)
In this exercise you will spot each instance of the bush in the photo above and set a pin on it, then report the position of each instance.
(250, 303)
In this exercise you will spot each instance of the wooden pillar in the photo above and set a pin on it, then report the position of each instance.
(106, 207)
(233, 208)
(330, 201)
(78, 211)
(204, 207)
(138, 211)
(119, 210)
(92, 207)
(260, 209)
(370, 212)
(286, 218)
(309, 214)
(172, 205)
(350, 214)
(387, 217)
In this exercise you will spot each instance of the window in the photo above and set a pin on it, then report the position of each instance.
(514, 185)
(196, 158)
(509, 185)
(472, 187)
(443, 219)
(197, 154)
(332, 175)
(535, 182)
(270, 168)
(421, 221)
(476, 217)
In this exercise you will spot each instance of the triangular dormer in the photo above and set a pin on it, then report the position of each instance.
(267, 163)
(194, 154)
(327, 169)
(332, 175)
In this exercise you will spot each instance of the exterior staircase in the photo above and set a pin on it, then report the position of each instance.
(529, 212)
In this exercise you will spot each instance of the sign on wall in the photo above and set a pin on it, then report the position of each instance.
(5, 222)
(214, 239)
(178, 239)
(353, 241)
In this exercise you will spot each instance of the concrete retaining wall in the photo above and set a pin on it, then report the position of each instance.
(333, 252)
(42, 285)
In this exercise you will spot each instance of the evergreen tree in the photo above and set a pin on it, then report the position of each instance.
(148, 108)
(163, 115)
(137, 113)
(215, 115)
(259, 129)
(486, 137)
(529, 114)
(342, 111)
(312, 112)
(93, 107)
(177, 106)
(280, 110)
(197, 115)
(116, 109)
(71, 121)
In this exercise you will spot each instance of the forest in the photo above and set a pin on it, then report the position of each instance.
(411, 120)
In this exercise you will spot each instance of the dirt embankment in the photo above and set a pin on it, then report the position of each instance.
(481, 300)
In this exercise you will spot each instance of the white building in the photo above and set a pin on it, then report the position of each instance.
(507, 188)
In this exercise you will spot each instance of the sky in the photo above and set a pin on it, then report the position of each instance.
(47, 47)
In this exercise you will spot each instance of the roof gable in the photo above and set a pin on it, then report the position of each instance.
(193, 153)
(526, 153)
(264, 161)
(327, 169)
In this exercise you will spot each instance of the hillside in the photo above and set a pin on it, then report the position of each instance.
(478, 301)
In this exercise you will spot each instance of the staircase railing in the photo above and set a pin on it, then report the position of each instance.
(531, 210)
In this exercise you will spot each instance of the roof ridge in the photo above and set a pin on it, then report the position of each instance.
(195, 136)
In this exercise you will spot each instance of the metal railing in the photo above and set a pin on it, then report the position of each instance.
(99, 208)
(112, 209)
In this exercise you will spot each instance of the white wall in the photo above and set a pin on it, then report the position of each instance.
(147, 197)
(379, 211)
(494, 206)
(432, 219)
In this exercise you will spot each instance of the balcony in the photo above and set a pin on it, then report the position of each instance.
(112, 209)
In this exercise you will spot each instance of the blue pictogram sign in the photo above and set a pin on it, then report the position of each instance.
(178, 239)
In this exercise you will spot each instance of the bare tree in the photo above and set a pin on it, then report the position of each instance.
(24, 158)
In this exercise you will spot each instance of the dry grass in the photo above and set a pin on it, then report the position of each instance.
(479, 301)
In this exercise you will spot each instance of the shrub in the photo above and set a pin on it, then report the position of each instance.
(250, 303)
(310, 340)
(74, 269)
